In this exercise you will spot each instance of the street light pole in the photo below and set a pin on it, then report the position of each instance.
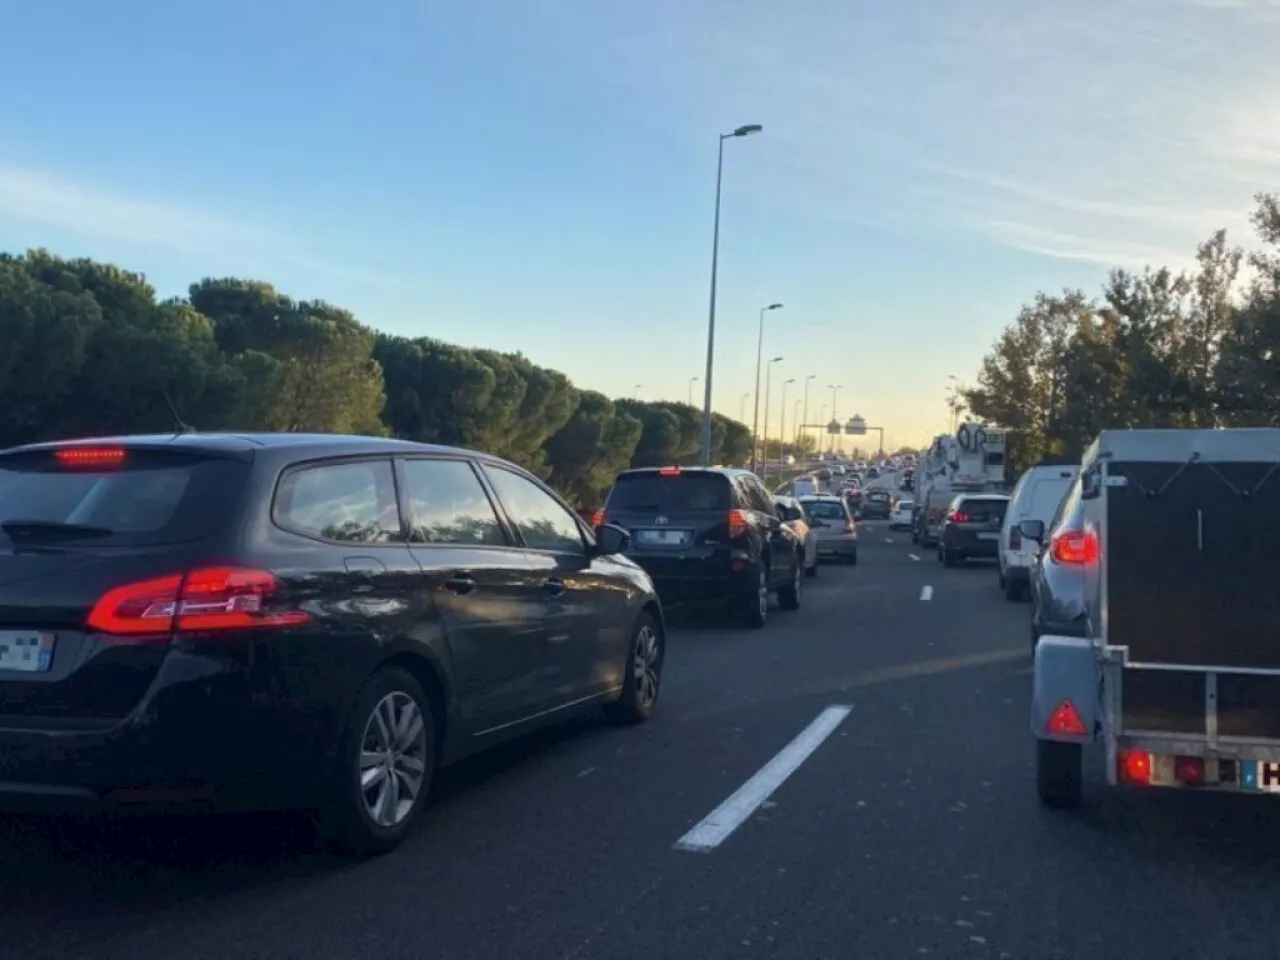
(834, 388)
(692, 381)
(635, 391)
(764, 440)
(782, 430)
(742, 411)
(755, 427)
(705, 458)
(805, 420)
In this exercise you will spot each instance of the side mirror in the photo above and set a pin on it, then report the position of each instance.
(611, 539)
(1032, 530)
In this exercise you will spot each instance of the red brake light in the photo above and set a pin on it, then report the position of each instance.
(958, 517)
(669, 472)
(90, 457)
(737, 524)
(1135, 767)
(207, 599)
(1189, 770)
(598, 519)
(1073, 546)
(1065, 719)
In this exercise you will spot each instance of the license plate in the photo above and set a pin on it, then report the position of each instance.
(988, 536)
(1257, 775)
(28, 651)
(661, 538)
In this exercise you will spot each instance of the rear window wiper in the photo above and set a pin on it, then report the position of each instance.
(36, 529)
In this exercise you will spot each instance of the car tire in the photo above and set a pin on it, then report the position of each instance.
(392, 717)
(789, 596)
(1059, 773)
(813, 571)
(949, 559)
(1035, 634)
(755, 605)
(642, 678)
(915, 536)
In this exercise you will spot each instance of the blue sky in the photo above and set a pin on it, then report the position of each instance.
(537, 175)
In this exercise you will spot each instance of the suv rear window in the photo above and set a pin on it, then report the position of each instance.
(654, 493)
(985, 511)
(152, 498)
(825, 509)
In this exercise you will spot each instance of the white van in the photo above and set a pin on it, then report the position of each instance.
(806, 486)
(1036, 497)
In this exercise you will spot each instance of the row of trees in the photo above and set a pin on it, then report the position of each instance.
(1160, 348)
(88, 349)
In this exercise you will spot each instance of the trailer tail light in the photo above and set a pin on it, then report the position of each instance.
(206, 600)
(958, 517)
(1075, 547)
(1134, 767)
(1065, 719)
(738, 524)
(1189, 770)
(599, 518)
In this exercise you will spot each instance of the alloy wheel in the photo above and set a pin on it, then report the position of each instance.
(648, 665)
(393, 758)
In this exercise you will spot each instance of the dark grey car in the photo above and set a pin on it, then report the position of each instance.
(1058, 577)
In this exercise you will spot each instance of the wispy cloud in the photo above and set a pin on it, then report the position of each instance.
(31, 197)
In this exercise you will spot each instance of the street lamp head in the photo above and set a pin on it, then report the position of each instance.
(748, 130)
(775, 359)
(774, 306)
(785, 382)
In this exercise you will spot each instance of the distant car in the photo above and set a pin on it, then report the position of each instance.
(824, 475)
(971, 528)
(792, 513)
(708, 534)
(296, 621)
(835, 525)
(876, 504)
(902, 515)
(805, 486)
(873, 473)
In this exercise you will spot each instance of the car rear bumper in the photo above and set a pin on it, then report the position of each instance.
(198, 739)
(838, 547)
(968, 545)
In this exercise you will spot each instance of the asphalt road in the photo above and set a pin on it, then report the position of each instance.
(911, 831)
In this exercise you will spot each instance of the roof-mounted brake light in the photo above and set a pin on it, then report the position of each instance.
(90, 457)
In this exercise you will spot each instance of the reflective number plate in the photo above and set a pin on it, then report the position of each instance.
(661, 538)
(29, 651)
(1256, 775)
(988, 536)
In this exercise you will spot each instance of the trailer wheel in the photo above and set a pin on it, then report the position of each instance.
(1059, 773)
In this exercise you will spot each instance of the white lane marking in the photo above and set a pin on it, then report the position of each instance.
(926, 593)
(888, 539)
(719, 824)
(912, 556)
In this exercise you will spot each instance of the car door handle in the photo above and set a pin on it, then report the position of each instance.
(461, 583)
(553, 587)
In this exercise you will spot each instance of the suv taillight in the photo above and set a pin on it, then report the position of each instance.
(599, 518)
(737, 524)
(1074, 547)
(1015, 538)
(206, 600)
(958, 517)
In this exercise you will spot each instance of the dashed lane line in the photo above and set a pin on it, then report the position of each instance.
(926, 593)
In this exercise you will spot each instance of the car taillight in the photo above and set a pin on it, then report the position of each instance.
(737, 524)
(207, 599)
(1075, 547)
(90, 458)
(599, 518)
(1015, 538)
(958, 517)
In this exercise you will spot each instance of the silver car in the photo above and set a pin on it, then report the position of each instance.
(1058, 577)
(837, 531)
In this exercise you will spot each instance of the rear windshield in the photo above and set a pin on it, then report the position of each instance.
(877, 495)
(984, 511)
(151, 499)
(906, 504)
(653, 493)
(824, 509)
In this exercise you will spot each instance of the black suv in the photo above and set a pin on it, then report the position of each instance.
(876, 505)
(708, 534)
(971, 528)
(296, 621)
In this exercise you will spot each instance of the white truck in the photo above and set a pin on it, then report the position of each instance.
(1176, 682)
(970, 461)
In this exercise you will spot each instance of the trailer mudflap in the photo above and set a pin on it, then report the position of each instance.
(1066, 671)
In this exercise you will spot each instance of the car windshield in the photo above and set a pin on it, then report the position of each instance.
(824, 509)
(656, 493)
(984, 511)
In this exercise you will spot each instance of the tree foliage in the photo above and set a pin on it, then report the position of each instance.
(1159, 348)
(87, 348)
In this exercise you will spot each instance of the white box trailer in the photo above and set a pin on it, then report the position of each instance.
(1178, 679)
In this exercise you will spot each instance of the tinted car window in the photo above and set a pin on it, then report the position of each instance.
(350, 502)
(151, 498)
(447, 504)
(543, 522)
(983, 511)
(654, 493)
(825, 509)
(757, 497)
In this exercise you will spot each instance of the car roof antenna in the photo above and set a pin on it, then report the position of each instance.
(180, 426)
